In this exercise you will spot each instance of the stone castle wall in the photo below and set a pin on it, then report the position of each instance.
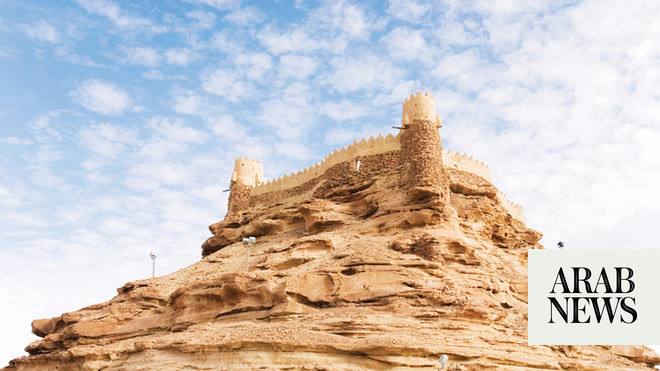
(336, 175)
(363, 148)
(376, 155)
(416, 151)
(512, 208)
(239, 198)
(467, 163)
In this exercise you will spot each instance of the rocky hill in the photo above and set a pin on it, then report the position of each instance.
(389, 266)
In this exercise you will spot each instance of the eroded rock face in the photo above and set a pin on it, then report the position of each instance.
(362, 276)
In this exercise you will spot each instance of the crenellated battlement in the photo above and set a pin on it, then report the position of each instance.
(514, 209)
(248, 172)
(419, 107)
(463, 162)
(416, 152)
(365, 147)
(467, 163)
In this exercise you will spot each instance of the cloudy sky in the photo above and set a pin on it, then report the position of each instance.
(120, 120)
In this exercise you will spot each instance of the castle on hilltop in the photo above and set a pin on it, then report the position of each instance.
(416, 153)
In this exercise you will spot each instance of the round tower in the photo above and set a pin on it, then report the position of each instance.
(248, 173)
(421, 150)
(419, 107)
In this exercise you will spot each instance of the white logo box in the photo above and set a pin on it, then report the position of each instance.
(544, 266)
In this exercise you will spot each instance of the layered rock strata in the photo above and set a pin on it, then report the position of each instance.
(356, 277)
(380, 257)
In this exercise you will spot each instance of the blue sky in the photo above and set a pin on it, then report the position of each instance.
(120, 120)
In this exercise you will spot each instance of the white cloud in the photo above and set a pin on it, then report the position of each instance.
(47, 154)
(218, 4)
(343, 110)
(366, 73)
(44, 177)
(293, 40)
(142, 56)
(66, 54)
(461, 32)
(154, 75)
(44, 127)
(42, 31)
(573, 95)
(113, 12)
(409, 45)
(203, 20)
(177, 131)
(467, 71)
(9, 52)
(225, 42)
(649, 144)
(151, 176)
(224, 83)
(102, 97)
(187, 102)
(225, 126)
(338, 136)
(159, 75)
(411, 11)
(254, 65)
(290, 115)
(180, 57)
(8, 197)
(249, 15)
(16, 141)
(353, 21)
(107, 140)
(341, 18)
(296, 66)
(398, 92)
(169, 138)
(294, 150)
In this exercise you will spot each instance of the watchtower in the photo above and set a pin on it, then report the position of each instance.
(248, 173)
(421, 150)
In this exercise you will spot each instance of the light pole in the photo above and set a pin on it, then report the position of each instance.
(153, 264)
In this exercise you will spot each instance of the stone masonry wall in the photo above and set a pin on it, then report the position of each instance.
(467, 163)
(239, 198)
(336, 175)
(421, 154)
(377, 156)
(363, 148)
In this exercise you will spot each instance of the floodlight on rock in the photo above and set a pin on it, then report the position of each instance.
(153, 263)
(443, 361)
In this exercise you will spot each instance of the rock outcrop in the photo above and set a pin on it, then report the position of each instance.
(389, 254)
(357, 277)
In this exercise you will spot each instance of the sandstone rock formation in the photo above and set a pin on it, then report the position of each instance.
(363, 268)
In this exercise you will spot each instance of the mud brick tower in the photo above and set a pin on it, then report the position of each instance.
(421, 150)
(248, 173)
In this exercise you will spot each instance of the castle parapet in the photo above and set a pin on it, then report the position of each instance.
(419, 107)
(514, 209)
(365, 147)
(416, 152)
(467, 163)
(248, 172)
